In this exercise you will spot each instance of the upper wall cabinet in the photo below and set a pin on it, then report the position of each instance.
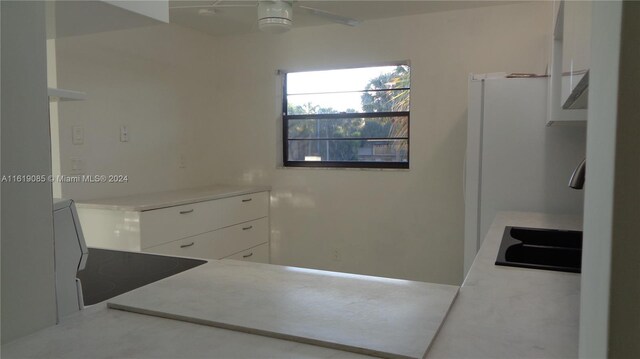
(71, 18)
(576, 46)
(569, 70)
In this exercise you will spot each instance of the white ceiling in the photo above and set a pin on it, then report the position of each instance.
(240, 16)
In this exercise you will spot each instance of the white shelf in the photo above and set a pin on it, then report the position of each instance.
(56, 94)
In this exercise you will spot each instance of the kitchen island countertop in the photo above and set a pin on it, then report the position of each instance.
(98, 332)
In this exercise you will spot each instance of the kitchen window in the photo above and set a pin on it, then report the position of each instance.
(356, 117)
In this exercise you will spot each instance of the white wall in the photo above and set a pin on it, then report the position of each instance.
(28, 293)
(598, 211)
(610, 288)
(405, 224)
(158, 81)
(217, 101)
(526, 166)
(52, 81)
(624, 312)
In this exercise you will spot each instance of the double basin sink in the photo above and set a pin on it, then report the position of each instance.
(549, 249)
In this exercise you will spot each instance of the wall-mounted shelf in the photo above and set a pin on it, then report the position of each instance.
(56, 94)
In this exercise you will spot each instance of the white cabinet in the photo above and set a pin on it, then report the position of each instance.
(72, 18)
(210, 229)
(156, 9)
(559, 109)
(576, 47)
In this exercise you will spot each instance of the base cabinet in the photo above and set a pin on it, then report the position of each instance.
(235, 226)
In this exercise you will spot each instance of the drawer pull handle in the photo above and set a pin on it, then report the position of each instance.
(247, 200)
(247, 228)
(187, 245)
(187, 211)
(247, 255)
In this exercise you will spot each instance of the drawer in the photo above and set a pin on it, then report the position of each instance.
(196, 247)
(258, 254)
(244, 208)
(234, 239)
(169, 224)
(218, 244)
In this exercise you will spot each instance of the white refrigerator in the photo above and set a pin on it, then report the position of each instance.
(513, 161)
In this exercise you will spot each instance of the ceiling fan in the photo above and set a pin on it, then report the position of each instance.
(274, 16)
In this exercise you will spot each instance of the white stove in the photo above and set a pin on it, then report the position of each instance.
(70, 256)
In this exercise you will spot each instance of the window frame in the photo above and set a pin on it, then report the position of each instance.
(344, 115)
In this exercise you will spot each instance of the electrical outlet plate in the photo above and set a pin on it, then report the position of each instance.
(337, 257)
(77, 166)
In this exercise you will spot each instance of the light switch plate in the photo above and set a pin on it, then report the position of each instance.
(124, 134)
(77, 135)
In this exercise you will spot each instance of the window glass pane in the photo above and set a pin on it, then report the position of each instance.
(383, 127)
(348, 116)
(348, 150)
(349, 102)
(358, 79)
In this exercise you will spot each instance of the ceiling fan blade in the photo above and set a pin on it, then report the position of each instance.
(331, 16)
(216, 4)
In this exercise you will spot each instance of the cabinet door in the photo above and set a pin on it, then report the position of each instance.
(576, 47)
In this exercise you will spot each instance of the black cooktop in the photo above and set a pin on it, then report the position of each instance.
(110, 273)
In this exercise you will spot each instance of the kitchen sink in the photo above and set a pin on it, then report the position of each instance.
(538, 248)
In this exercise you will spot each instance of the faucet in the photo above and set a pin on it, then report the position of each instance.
(577, 178)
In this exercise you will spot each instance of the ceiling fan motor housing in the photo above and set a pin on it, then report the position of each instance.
(275, 16)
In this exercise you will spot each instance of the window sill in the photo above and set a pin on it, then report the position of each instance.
(281, 167)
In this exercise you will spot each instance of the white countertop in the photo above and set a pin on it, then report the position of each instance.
(509, 312)
(390, 318)
(149, 201)
(500, 312)
(98, 333)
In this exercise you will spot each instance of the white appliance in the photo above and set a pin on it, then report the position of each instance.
(513, 161)
(70, 256)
